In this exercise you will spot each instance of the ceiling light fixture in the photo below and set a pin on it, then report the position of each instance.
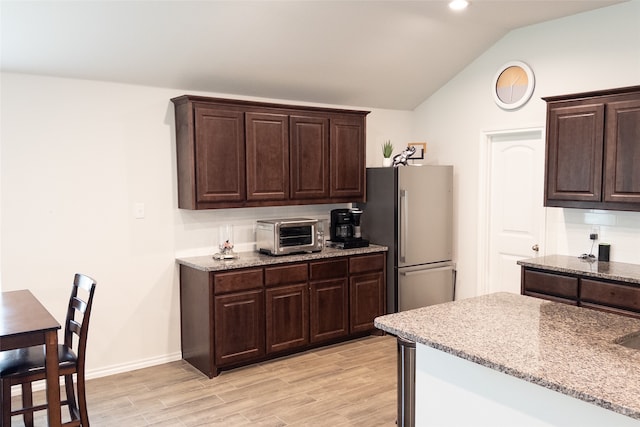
(458, 4)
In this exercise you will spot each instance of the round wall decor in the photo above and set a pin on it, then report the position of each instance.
(513, 85)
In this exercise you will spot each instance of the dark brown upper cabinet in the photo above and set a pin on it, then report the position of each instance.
(622, 141)
(233, 153)
(309, 157)
(267, 146)
(348, 169)
(593, 143)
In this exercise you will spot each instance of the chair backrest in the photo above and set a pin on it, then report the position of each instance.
(78, 313)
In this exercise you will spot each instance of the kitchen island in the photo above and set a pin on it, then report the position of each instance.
(506, 359)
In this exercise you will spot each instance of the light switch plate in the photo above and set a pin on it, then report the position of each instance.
(138, 210)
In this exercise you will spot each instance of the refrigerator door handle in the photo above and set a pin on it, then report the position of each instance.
(426, 270)
(404, 223)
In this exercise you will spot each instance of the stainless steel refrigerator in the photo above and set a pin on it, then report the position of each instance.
(410, 210)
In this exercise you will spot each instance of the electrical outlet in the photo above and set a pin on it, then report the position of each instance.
(595, 232)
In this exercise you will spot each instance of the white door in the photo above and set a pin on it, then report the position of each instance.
(515, 205)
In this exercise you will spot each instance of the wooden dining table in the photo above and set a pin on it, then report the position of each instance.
(24, 322)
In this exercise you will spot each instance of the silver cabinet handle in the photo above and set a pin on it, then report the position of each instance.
(535, 247)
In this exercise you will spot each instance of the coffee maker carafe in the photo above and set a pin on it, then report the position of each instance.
(345, 229)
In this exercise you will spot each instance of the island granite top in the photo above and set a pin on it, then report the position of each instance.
(619, 271)
(569, 349)
(255, 259)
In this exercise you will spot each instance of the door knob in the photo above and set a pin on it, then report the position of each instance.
(535, 247)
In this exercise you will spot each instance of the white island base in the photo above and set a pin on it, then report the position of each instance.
(451, 391)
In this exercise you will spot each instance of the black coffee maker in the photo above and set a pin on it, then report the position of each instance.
(345, 229)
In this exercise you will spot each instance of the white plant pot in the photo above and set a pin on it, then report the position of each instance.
(387, 161)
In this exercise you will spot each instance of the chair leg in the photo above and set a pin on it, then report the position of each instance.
(27, 402)
(82, 400)
(71, 398)
(5, 397)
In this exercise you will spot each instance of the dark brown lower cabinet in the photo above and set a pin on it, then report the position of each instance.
(367, 294)
(239, 326)
(613, 297)
(554, 287)
(328, 299)
(236, 317)
(605, 295)
(366, 291)
(287, 317)
(329, 310)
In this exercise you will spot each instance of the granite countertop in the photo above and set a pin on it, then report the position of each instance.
(568, 349)
(619, 271)
(255, 259)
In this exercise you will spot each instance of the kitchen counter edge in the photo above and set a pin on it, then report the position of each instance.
(255, 259)
(619, 271)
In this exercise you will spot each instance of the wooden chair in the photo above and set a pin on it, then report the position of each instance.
(26, 365)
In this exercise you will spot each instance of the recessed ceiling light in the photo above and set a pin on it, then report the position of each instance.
(458, 4)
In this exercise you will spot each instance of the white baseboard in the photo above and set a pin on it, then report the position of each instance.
(113, 370)
(132, 366)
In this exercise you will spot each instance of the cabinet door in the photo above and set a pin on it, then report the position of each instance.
(219, 154)
(366, 300)
(575, 138)
(613, 297)
(267, 156)
(555, 287)
(622, 174)
(239, 327)
(328, 310)
(287, 317)
(347, 158)
(309, 157)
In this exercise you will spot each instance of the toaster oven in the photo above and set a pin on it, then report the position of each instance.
(287, 236)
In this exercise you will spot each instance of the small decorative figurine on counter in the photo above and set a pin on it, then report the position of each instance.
(401, 159)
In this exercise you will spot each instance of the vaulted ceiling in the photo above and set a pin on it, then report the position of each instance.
(384, 54)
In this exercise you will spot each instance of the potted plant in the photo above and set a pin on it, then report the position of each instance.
(387, 151)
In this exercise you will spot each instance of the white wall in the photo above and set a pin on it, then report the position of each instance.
(76, 157)
(590, 51)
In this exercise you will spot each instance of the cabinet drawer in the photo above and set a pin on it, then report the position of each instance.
(610, 294)
(551, 284)
(322, 270)
(286, 274)
(363, 264)
(237, 281)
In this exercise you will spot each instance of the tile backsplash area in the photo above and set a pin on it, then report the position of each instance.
(567, 233)
(197, 232)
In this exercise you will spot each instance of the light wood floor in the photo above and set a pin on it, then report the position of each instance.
(349, 384)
